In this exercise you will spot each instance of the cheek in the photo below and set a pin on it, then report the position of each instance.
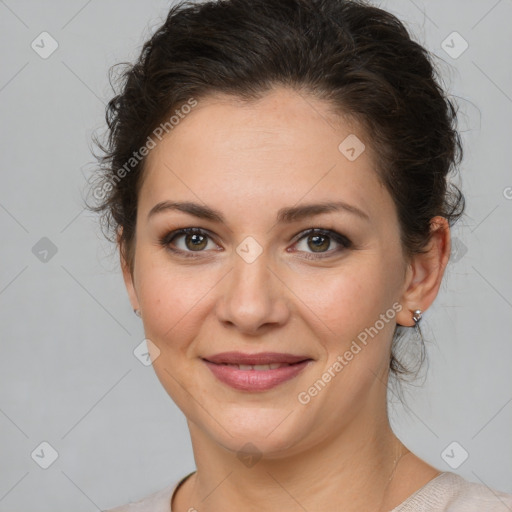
(160, 302)
(348, 299)
(172, 298)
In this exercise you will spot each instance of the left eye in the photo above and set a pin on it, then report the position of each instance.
(320, 240)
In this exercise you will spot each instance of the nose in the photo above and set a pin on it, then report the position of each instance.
(253, 298)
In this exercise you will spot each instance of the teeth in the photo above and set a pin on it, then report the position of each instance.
(260, 367)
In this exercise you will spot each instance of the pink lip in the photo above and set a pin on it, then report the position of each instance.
(258, 358)
(255, 380)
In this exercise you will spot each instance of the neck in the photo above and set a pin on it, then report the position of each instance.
(351, 471)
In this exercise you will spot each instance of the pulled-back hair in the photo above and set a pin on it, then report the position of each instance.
(358, 58)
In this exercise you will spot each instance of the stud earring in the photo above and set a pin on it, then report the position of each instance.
(137, 312)
(416, 316)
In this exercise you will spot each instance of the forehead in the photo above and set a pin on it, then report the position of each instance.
(278, 149)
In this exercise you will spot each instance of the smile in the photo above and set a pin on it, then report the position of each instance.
(255, 372)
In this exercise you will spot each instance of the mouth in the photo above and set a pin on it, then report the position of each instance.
(257, 367)
(255, 372)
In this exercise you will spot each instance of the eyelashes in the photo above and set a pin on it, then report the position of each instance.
(197, 235)
(200, 238)
(321, 235)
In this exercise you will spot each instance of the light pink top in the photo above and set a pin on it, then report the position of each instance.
(447, 492)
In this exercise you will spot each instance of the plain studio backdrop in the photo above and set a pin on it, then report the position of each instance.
(84, 425)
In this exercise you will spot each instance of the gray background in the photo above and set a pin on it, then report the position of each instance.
(68, 375)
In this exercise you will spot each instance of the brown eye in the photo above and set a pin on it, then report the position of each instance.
(187, 241)
(318, 243)
(195, 242)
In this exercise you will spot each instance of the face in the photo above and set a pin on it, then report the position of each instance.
(251, 283)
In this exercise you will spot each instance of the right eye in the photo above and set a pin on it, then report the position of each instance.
(193, 240)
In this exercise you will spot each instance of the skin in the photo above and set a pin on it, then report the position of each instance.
(248, 160)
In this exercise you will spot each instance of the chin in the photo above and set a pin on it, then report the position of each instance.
(272, 433)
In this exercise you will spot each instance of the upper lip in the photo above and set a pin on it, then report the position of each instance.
(253, 359)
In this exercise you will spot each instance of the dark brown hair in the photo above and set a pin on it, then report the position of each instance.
(357, 57)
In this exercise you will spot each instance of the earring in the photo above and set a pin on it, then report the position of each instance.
(416, 316)
(137, 312)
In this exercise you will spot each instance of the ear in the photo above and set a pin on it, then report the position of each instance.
(425, 272)
(127, 274)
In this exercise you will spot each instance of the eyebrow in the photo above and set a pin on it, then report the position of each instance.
(284, 215)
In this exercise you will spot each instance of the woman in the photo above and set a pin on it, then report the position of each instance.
(277, 178)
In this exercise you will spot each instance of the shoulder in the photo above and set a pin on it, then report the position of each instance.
(449, 492)
(156, 502)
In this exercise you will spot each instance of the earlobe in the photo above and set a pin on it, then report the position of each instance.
(425, 273)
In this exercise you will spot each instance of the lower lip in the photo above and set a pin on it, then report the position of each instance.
(255, 380)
